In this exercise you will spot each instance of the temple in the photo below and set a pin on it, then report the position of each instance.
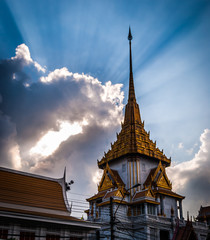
(135, 199)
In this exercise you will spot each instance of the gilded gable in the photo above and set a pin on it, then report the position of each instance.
(106, 183)
(163, 182)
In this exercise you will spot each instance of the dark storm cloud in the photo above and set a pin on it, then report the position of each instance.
(29, 111)
(7, 140)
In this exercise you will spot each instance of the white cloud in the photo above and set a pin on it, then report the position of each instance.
(23, 54)
(190, 151)
(56, 106)
(97, 176)
(180, 145)
(56, 75)
(192, 178)
(52, 139)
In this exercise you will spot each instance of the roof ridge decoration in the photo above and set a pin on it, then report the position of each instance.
(133, 138)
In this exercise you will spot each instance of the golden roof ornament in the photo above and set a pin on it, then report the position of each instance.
(133, 139)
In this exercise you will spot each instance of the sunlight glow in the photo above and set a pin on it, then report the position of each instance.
(96, 178)
(16, 159)
(52, 139)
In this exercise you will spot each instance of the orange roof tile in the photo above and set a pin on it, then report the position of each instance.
(32, 190)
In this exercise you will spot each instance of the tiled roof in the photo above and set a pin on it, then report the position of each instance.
(186, 232)
(96, 196)
(111, 194)
(32, 190)
(140, 194)
(168, 193)
(133, 138)
(204, 212)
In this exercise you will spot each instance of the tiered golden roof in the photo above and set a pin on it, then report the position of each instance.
(133, 138)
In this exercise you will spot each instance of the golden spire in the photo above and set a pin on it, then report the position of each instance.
(133, 139)
(132, 114)
(131, 95)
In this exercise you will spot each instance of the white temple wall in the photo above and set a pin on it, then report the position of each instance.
(169, 203)
(121, 166)
(145, 167)
(133, 172)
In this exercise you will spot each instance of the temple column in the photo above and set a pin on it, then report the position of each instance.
(90, 212)
(145, 209)
(148, 233)
(180, 209)
(16, 231)
(158, 234)
(156, 210)
(94, 210)
(158, 206)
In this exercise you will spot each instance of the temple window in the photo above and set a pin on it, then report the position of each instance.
(3, 233)
(129, 211)
(27, 236)
(151, 209)
(138, 210)
(52, 237)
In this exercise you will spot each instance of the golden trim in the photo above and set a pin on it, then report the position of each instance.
(137, 174)
(114, 201)
(130, 172)
(172, 194)
(133, 190)
(143, 201)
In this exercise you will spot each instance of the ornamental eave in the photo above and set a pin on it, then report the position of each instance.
(104, 160)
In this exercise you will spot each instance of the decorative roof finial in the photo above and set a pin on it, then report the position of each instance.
(130, 37)
(131, 84)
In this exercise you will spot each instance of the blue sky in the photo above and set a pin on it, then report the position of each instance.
(171, 64)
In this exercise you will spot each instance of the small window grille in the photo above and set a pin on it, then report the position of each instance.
(129, 211)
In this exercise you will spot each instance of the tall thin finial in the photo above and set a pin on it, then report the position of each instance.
(131, 95)
(130, 37)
